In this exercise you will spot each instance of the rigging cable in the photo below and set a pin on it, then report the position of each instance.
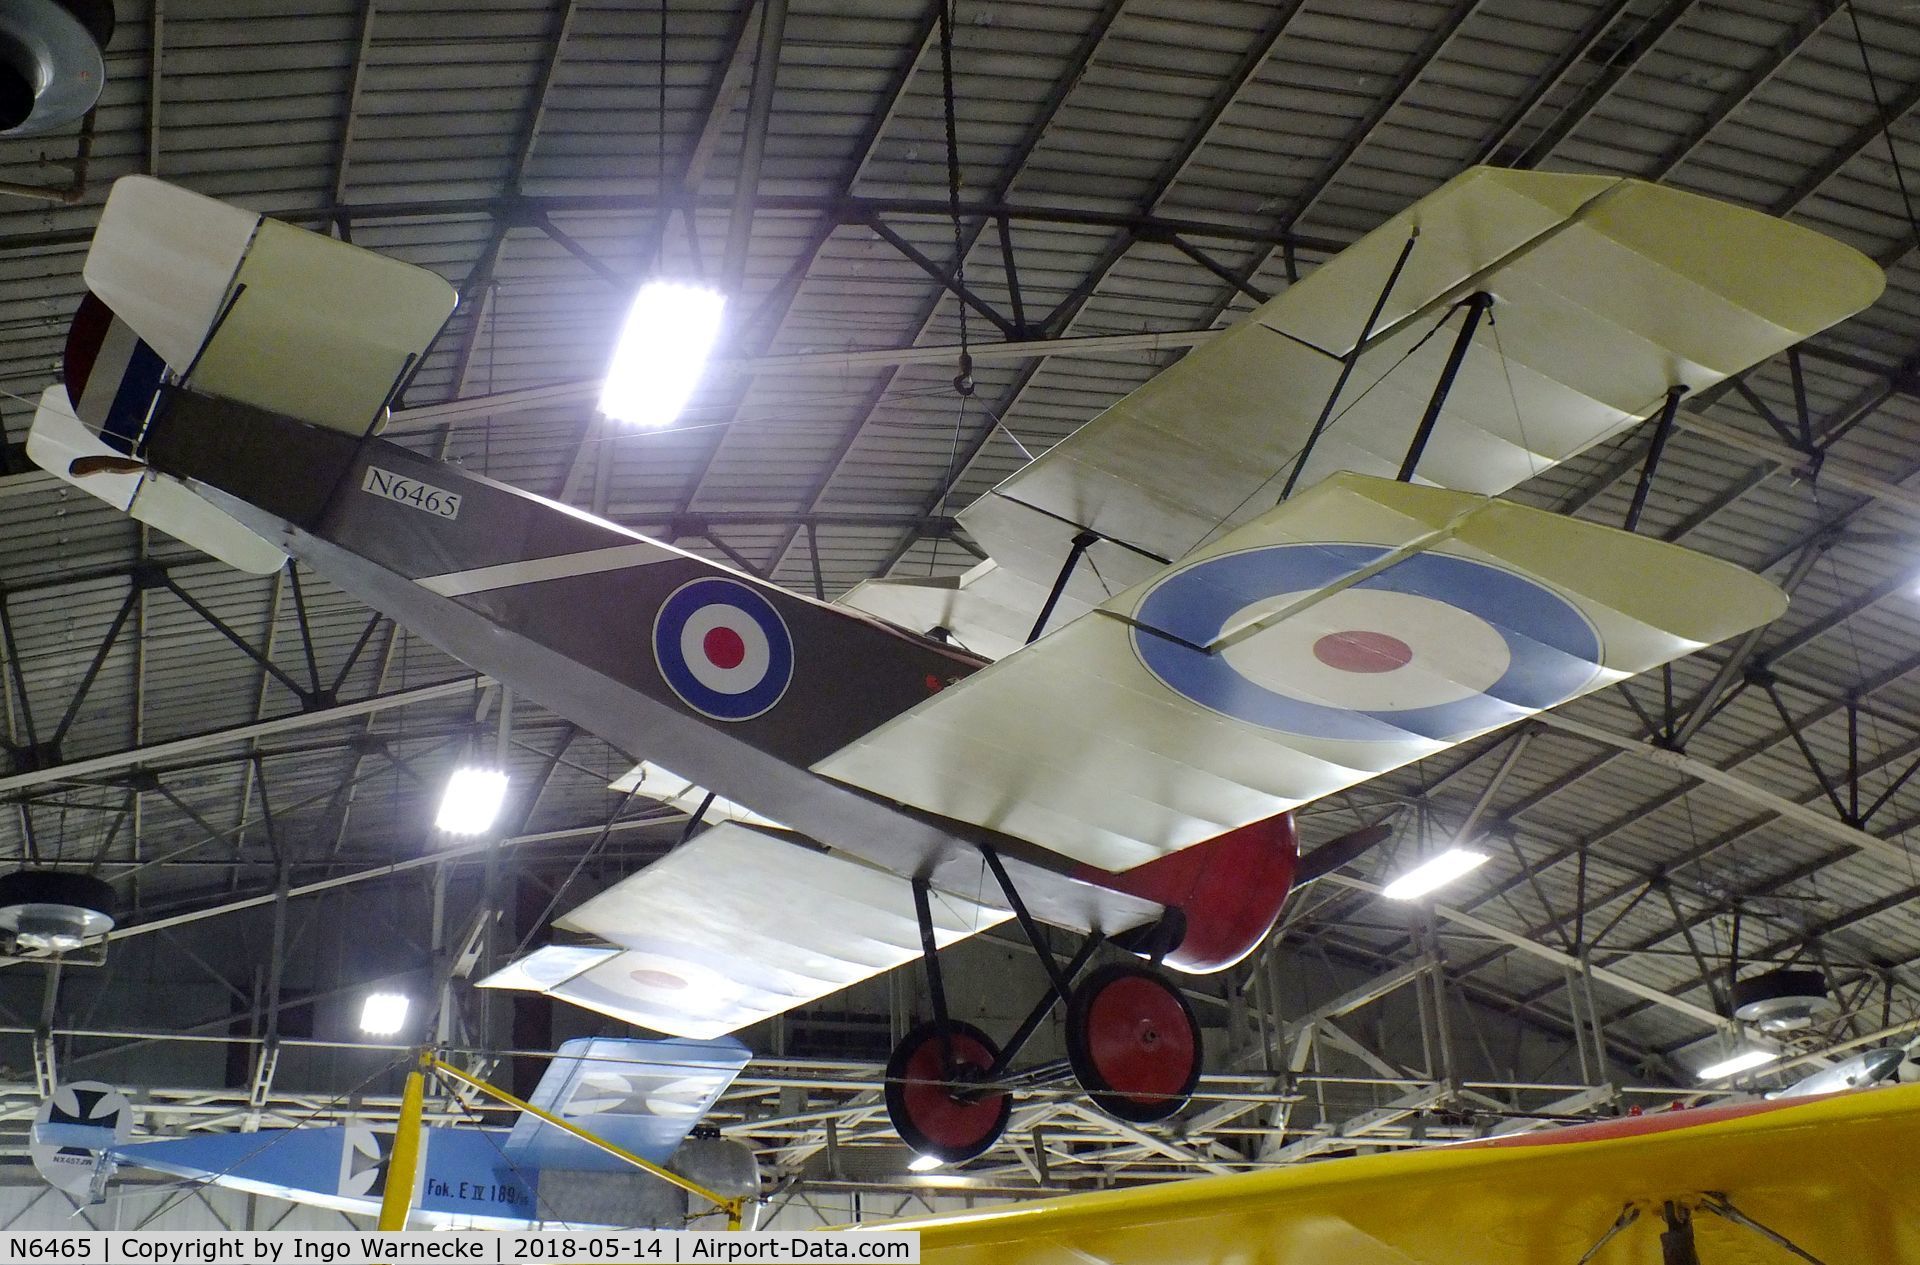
(1886, 124)
(963, 383)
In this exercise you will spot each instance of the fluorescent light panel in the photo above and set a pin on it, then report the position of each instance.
(662, 352)
(472, 801)
(1745, 1061)
(383, 1014)
(1434, 873)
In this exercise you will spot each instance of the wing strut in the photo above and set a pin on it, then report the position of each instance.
(1722, 1207)
(1351, 359)
(1081, 543)
(1677, 1245)
(1662, 429)
(1477, 304)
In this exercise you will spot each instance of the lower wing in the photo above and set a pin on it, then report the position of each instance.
(1827, 1175)
(735, 926)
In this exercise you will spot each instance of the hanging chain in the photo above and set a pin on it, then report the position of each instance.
(963, 381)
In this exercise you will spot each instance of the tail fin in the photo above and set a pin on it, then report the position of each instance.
(641, 1095)
(254, 310)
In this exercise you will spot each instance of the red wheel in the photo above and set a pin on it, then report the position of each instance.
(930, 1107)
(1133, 1042)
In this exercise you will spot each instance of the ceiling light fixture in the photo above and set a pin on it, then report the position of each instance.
(383, 1014)
(1745, 1061)
(1434, 873)
(472, 801)
(925, 1163)
(662, 352)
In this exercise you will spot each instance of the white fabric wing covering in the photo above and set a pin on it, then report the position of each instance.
(58, 437)
(1360, 626)
(1606, 292)
(733, 927)
(987, 610)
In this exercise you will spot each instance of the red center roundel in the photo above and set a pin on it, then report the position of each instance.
(724, 647)
(1357, 651)
(648, 978)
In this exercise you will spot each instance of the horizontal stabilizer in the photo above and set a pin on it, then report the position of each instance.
(1360, 626)
(642, 1096)
(649, 781)
(262, 312)
(58, 439)
(1339, 852)
(733, 927)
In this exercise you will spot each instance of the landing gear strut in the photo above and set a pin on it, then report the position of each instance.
(1132, 1041)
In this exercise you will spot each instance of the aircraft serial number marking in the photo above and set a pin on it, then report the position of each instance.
(422, 496)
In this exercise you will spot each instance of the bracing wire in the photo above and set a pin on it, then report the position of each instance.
(963, 380)
(1886, 123)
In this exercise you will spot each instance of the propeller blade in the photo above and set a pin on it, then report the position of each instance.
(1343, 850)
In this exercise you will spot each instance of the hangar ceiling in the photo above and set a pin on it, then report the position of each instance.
(1133, 174)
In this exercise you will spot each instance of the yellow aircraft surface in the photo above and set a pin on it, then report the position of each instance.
(1827, 1180)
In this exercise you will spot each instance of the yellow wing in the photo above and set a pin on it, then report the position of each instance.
(1831, 1175)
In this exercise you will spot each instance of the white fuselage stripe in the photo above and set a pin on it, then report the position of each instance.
(508, 574)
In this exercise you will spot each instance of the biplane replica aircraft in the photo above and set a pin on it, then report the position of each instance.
(644, 1096)
(1276, 570)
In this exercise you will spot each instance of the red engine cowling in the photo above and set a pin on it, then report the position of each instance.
(1229, 889)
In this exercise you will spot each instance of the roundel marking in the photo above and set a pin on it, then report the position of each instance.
(723, 649)
(1436, 646)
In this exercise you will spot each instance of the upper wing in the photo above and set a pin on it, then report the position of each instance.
(1829, 1175)
(259, 311)
(733, 927)
(1360, 626)
(1606, 293)
(641, 1095)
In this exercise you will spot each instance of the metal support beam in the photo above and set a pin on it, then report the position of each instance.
(1534, 948)
(766, 67)
(160, 752)
(1700, 770)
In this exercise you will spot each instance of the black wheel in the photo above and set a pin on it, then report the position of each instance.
(1133, 1042)
(929, 1103)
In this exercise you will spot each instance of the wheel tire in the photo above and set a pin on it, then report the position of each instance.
(1133, 1042)
(929, 1117)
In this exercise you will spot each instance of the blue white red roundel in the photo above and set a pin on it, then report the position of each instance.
(1434, 646)
(723, 648)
